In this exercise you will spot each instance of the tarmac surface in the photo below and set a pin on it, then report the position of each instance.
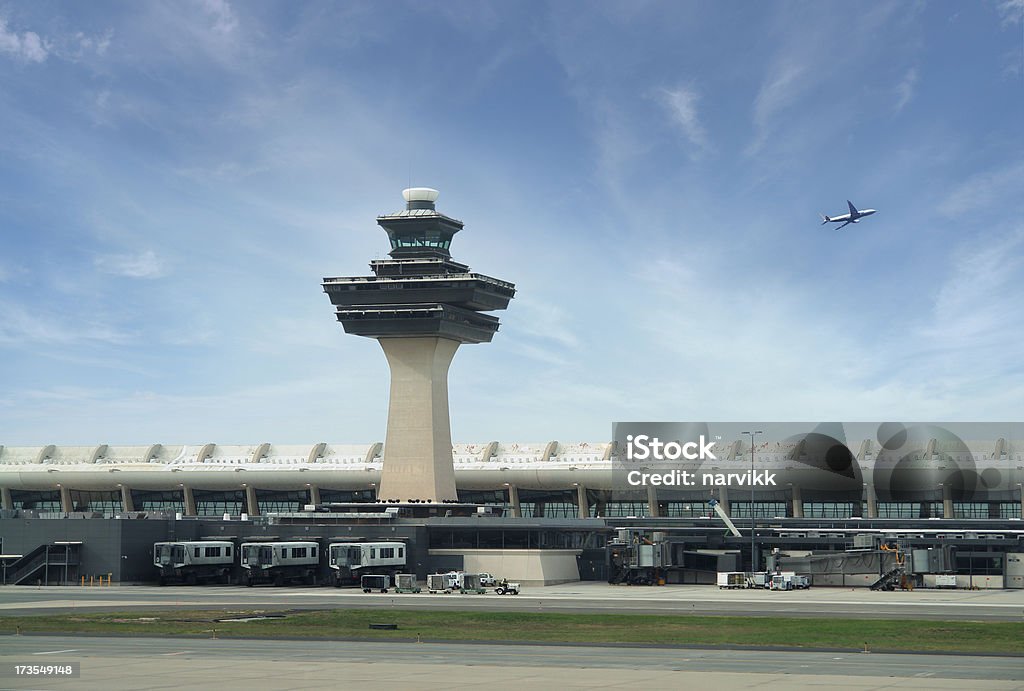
(166, 663)
(582, 597)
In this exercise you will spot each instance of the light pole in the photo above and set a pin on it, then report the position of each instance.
(753, 563)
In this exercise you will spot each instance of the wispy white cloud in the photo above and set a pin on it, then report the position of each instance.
(978, 305)
(26, 46)
(544, 321)
(682, 104)
(1011, 11)
(984, 190)
(20, 326)
(780, 90)
(143, 265)
(220, 12)
(905, 89)
(79, 45)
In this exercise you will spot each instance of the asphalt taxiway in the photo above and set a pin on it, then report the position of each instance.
(582, 597)
(117, 664)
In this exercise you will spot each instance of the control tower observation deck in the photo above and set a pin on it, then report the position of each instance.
(420, 305)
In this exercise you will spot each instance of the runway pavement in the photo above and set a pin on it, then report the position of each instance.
(160, 663)
(984, 605)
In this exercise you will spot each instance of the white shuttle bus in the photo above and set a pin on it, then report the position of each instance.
(350, 560)
(193, 562)
(280, 562)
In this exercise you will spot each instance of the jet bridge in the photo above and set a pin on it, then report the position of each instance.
(724, 516)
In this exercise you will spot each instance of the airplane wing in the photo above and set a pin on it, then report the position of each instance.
(844, 225)
(853, 209)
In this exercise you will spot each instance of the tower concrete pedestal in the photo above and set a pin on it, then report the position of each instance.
(418, 447)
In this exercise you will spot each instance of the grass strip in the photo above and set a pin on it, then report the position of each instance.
(889, 634)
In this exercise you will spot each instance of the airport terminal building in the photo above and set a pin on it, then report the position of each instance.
(559, 511)
(850, 503)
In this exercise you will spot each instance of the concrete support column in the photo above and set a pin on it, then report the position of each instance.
(252, 505)
(190, 501)
(652, 501)
(314, 494)
(947, 501)
(6, 501)
(513, 500)
(798, 502)
(418, 447)
(126, 499)
(723, 499)
(65, 500)
(583, 508)
(872, 499)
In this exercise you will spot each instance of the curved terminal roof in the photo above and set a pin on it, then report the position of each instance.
(481, 465)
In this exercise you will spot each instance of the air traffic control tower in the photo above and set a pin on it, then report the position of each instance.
(420, 305)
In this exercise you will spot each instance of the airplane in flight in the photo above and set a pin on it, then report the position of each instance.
(853, 217)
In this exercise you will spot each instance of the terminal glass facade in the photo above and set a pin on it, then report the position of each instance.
(970, 509)
(829, 509)
(1009, 510)
(107, 503)
(762, 509)
(281, 502)
(548, 504)
(47, 500)
(910, 509)
(218, 503)
(624, 509)
(497, 497)
(687, 509)
(171, 500)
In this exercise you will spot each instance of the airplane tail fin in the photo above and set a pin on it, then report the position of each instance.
(824, 219)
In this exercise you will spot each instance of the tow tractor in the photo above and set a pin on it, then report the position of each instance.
(506, 588)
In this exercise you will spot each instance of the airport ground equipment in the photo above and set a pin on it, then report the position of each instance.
(469, 584)
(789, 581)
(53, 562)
(732, 579)
(349, 560)
(760, 579)
(896, 576)
(375, 581)
(801, 582)
(487, 580)
(193, 562)
(438, 583)
(406, 583)
(506, 588)
(280, 562)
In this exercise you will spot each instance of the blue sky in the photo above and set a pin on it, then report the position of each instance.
(176, 178)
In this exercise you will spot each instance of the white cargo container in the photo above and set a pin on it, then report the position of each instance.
(732, 579)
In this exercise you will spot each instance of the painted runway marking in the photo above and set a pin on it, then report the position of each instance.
(56, 652)
(180, 652)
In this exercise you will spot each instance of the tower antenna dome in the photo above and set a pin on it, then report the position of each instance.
(420, 194)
